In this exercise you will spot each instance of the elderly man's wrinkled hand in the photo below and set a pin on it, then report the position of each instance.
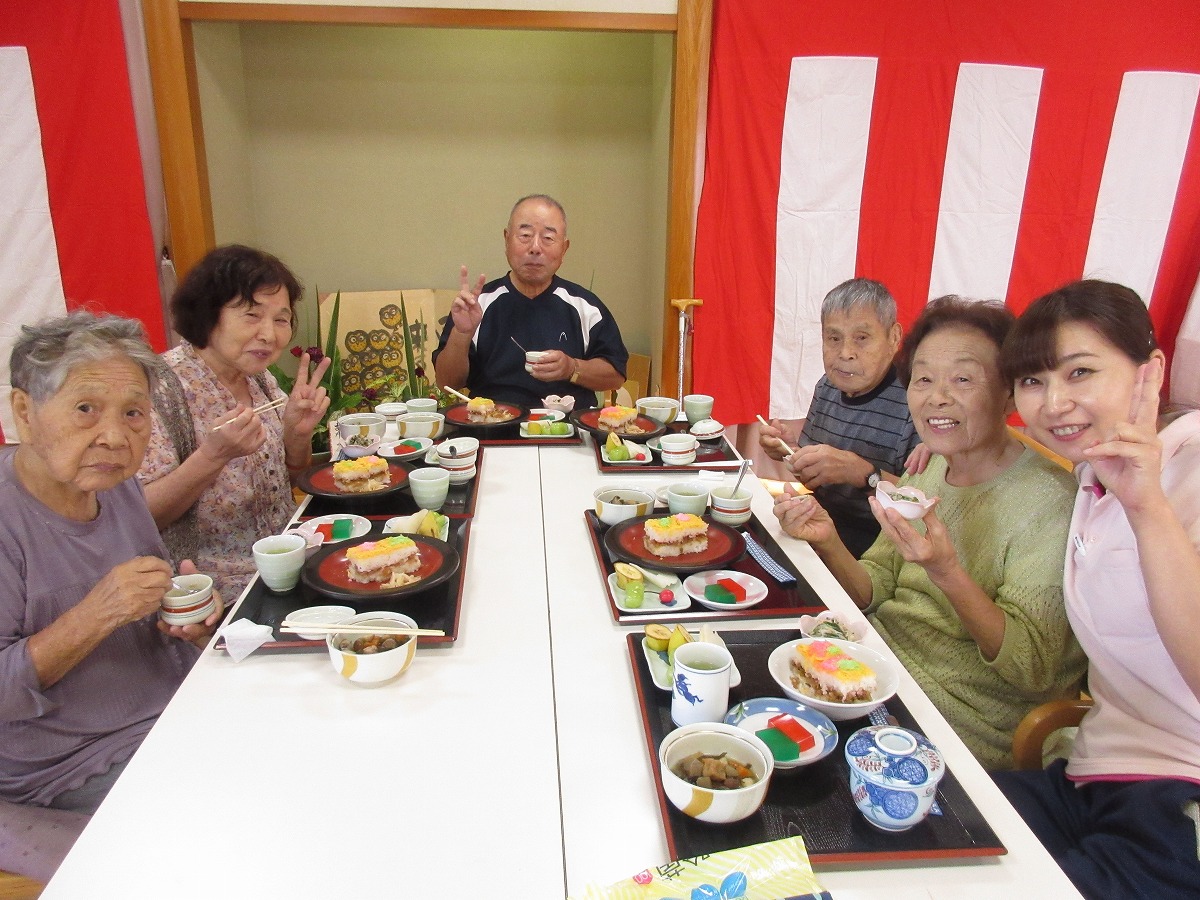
(821, 464)
(465, 311)
(200, 632)
(553, 366)
(918, 460)
(239, 433)
(130, 591)
(802, 517)
(772, 438)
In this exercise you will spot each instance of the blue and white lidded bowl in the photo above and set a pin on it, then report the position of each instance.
(894, 775)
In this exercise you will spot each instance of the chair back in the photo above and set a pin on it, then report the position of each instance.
(637, 382)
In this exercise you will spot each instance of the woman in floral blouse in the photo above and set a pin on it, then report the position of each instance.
(218, 475)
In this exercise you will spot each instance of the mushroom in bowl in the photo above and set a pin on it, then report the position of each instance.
(366, 658)
(715, 772)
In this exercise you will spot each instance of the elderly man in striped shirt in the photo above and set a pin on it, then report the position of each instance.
(858, 429)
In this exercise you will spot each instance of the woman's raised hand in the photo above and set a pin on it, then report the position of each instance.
(934, 550)
(1129, 462)
(308, 401)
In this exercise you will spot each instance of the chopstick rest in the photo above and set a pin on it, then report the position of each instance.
(764, 559)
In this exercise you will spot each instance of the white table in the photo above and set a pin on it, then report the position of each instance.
(274, 778)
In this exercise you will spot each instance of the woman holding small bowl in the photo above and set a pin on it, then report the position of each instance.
(970, 597)
(86, 664)
(218, 472)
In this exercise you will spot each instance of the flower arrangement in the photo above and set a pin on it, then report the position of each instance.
(409, 380)
(384, 365)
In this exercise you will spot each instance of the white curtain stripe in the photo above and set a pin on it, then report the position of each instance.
(983, 183)
(30, 282)
(826, 127)
(1145, 157)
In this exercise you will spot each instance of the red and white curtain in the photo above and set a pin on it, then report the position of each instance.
(74, 227)
(958, 146)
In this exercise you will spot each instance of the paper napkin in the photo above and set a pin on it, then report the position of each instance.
(243, 637)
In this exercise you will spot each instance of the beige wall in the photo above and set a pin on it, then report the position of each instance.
(372, 158)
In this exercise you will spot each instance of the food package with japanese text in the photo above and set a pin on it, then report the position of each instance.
(761, 872)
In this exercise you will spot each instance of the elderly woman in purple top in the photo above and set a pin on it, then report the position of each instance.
(85, 664)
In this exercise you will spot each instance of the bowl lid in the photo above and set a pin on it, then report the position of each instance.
(894, 757)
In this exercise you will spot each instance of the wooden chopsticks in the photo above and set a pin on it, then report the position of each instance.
(290, 627)
(262, 408)
(782, 442)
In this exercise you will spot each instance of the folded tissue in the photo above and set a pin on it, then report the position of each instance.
(243, 637)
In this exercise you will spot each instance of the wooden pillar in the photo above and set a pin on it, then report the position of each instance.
(693, 43)
(180, 135)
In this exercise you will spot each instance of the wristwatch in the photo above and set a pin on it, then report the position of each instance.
(575, 374)
(874, 478)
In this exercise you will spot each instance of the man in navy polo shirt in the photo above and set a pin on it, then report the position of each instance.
(531, 305)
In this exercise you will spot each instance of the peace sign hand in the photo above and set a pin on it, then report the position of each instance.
(465, 310)
(1129, 463)
(308, 402)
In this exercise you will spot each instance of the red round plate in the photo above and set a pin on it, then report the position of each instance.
(589, 419)
(624, 542)
(325, 570)
(457, 415)
(319, 481)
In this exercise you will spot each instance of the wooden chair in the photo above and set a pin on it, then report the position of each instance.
(15, 887)
(637, 382)
(1029, 740)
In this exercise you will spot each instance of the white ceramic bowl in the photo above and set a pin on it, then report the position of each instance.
(462, 476)
(755, 715)
(320, 615)
(373, 668)
(396, 450)
(729, 508)
(534, 356)
(354, 451)
(756, 590)
(661, 409)
(359, 525)
(391, 410)
(618, 503)
(887, 679)
(811, 624)
(894, 775)
(707, 429)
(365, 424)
(458, 452)
(705, 804)
(190, 600)
(685, 458)
(422, 424)
(892, 496)
(564, 403)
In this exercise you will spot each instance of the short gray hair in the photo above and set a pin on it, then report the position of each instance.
(861, 292)
(45, 353)
(545, 198)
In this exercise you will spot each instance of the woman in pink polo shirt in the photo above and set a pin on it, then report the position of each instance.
(1120, 815)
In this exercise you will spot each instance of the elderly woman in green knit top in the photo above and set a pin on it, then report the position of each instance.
(970, 598)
